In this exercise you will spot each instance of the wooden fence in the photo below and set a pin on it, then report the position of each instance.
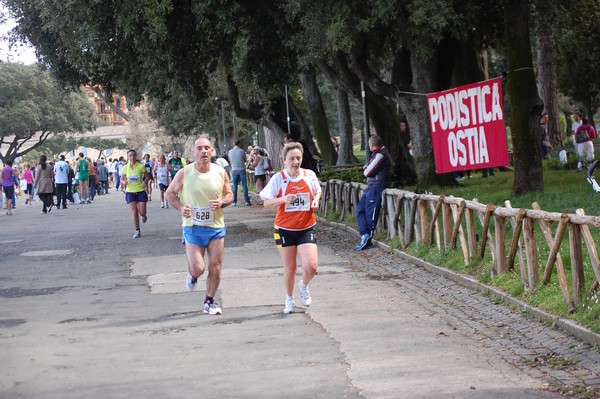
(447, 222)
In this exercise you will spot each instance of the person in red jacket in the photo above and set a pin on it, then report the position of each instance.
(586, 146)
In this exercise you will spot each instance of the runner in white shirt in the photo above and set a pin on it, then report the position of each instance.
(162, 171)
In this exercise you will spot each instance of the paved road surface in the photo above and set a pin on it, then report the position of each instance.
(87, 311)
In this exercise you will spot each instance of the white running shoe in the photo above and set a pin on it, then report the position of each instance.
(289, 305)
(304, 293)
(190, 282)
(144, 218)
(212, 308)
(162, 204)
(166, 205)
(137, 234)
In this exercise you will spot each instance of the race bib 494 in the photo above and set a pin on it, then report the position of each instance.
(301, 203)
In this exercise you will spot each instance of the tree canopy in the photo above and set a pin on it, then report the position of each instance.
(188, 56)
(33, 107)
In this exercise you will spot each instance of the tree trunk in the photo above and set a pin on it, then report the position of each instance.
(424, 75)
(299, 121)
(546, 64)
(314, 103)
(273, 141)
(526, 106)
(346, 153)
(588, 110)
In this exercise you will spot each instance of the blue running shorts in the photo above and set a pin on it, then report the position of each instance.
(201, 235)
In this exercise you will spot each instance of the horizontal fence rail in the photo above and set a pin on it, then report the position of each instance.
(447, 222)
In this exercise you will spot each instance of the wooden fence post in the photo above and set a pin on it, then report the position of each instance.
(471, 235)
(343, 199)
(488, 236)
(554, 256)
(447, 225)
(591, 247)
(424, 216)
(577, 277)
(515, 245)
(410, 220)
(500, 230)
(457, 221)
(435, 216)
(457, 214)
(530, 252)
(486, 224)
(397, 221)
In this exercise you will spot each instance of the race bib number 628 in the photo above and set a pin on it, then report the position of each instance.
(202, 216)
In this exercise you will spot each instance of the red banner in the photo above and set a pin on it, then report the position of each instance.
(467, 127)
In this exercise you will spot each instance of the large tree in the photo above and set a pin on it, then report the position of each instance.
(400, 50)
(246, 52)
(33, 107)
(579, 58)
(526, 105)
(548, 13)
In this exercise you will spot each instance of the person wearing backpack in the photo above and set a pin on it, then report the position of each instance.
(585, 136)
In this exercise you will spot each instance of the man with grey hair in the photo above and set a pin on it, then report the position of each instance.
(377, 172)
(199, 192)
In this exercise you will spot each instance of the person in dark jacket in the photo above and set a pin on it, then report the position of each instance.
(377, 172)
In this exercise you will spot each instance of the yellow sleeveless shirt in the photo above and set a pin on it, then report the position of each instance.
(198, 189)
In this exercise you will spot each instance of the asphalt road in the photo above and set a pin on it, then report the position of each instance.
(88, 311)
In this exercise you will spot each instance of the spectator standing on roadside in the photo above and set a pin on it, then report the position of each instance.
(103, 177)
(257, 161)
(83, 177)
(222, 162)
(28, 176)
(61, 178)
(377, 172)
(70, 183)
(93, 178)
(111, 171)
(118, 169)
(237, 160)
(8, 185)
(574, 126)
(44, 184)
(586, 146)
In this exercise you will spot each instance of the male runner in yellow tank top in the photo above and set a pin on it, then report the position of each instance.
(203, 189)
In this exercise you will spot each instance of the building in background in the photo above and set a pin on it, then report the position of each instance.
(115, 113)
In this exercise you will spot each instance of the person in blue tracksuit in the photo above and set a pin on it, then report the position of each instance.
(377, 172)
